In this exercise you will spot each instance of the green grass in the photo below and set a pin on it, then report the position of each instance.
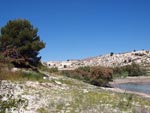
(21, 75)
(42, 110)
(122, 75)
(148, 73)
(125, 74)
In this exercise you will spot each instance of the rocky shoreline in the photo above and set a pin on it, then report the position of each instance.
(141, 79)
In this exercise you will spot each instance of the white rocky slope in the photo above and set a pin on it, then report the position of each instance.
(111, 60)
(141, 57)
(60, 94)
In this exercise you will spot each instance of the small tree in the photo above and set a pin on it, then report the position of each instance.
(111, 54)
(20, 44)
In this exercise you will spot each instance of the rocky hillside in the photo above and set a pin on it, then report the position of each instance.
(112, 60)
(141, 57)
(60, 94)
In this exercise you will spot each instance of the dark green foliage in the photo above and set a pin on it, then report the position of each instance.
(134, 50)
(20, 44)
(99, 76)
(129, 70)
(111, 54)
(119, 72)
(135, 70)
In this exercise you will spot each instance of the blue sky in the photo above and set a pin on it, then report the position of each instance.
(76, 29)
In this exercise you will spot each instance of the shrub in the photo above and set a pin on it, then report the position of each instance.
(99, 76)
(135, 70)
(129, 70)
(119, 72)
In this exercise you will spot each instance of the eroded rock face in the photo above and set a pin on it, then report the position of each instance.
(108, 60)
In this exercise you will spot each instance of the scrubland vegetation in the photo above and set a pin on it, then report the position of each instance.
(99, 76)
(130, 70)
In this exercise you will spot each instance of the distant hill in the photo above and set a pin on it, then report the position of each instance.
(141, 57)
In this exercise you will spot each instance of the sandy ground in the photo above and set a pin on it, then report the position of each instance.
(142, 79)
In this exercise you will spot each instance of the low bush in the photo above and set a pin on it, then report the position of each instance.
(119, 72)
(50, 70)
(99, 76)
(129, 70)
(135, 70)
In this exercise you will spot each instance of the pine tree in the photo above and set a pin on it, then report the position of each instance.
(20, 44)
